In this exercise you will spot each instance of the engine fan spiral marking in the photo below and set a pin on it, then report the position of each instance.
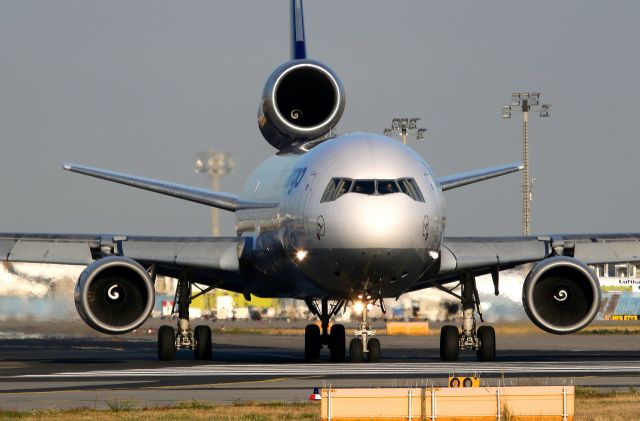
(295, 114)
(113, 292)
(561, 295)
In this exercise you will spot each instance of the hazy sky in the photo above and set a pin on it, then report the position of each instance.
(141, 86)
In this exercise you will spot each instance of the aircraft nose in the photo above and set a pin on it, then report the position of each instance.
(375, 222)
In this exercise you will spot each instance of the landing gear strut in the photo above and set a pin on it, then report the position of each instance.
(481, 340)
(315, 338)
(363, 344)
(199, 341)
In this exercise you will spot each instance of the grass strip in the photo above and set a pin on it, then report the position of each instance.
(591, 405)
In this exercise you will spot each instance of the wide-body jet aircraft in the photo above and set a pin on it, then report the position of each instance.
(329, 220)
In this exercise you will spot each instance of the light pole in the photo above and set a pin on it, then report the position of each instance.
(216, 165)
(525, 102)
(404, 125)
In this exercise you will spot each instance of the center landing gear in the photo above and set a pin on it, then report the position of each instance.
(199, 341)
(314, 338)
(481, 340)
(362, 344)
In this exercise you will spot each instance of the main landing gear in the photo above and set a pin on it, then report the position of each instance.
(199, 341)
(482, 340)
(315, 338)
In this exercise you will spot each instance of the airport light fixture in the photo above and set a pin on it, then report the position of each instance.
(215, 165)
(525, 102)
(405, 126)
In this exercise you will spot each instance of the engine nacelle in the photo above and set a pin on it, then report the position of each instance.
(561, 295)
(302, 100)
(114, 295)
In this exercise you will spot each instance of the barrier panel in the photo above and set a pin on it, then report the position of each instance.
(407, 328)
(448, 404)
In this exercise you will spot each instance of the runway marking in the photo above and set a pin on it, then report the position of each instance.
(289, 370)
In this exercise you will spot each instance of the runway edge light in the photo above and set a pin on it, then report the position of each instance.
(315, 396)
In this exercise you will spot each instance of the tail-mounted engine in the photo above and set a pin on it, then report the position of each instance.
(302, 100)
(561, 295)
(114, 295)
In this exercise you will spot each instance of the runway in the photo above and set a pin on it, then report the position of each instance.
(91, 372)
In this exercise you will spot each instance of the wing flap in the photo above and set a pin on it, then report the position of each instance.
(38, 251)
(468, 253)
(222, 255)
(600, 252)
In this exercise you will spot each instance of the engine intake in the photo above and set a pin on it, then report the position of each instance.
(114, 295)
(302, 100)
(561, 295)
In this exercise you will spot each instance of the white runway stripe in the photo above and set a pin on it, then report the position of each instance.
(527, 368)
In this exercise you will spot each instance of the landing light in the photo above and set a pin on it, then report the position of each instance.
(358, 307)
(434, 254)
(301, 255)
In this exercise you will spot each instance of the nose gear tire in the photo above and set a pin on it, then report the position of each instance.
(355, 350)
(374, 350)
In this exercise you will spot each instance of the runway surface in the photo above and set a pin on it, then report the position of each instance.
(91, 372)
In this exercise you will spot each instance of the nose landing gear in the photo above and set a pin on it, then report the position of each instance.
(482, 340)
(362, 344)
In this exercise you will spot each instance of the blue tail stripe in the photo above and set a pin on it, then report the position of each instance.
(298, 44)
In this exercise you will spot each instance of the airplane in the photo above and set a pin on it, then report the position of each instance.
(329, 219)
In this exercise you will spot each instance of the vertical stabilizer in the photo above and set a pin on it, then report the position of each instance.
(298, 44)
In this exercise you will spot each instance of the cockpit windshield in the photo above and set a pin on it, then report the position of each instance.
(340, 186)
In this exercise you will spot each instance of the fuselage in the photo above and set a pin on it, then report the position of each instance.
(359, 214)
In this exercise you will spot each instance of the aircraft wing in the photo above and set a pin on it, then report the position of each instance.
(485, 255)
(221, 200)
(216, 260)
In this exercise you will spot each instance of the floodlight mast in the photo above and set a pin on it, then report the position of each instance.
(525, 101)
(405, 125)
(216, 165)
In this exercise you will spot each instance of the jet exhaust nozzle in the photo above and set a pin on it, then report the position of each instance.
(114, 295)
(561, 295)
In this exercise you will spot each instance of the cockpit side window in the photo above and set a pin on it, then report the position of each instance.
(336, 188)
(410, 188)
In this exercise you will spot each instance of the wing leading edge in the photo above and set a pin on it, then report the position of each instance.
(462, 179)
(210, 260)
(489, 255)
(225, 201)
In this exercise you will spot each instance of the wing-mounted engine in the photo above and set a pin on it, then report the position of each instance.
(114, 295)
(561, 295)
(302, 100)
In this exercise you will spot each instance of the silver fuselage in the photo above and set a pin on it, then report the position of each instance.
(377, 245)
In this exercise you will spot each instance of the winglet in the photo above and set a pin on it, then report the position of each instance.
(211, 198)
(462, 179)
(298, 43)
